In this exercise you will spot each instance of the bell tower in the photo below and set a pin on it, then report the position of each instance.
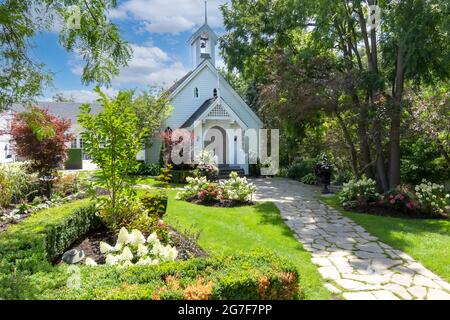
(203, 43)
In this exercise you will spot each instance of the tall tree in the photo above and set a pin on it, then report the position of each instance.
(85, 29)
(113, 138)
(402, 52)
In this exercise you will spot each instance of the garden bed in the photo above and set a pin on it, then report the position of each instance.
(379, 210)
(221, 204)
(90, 244)
(27, 249)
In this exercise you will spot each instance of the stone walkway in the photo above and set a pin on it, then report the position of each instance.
(354, 263)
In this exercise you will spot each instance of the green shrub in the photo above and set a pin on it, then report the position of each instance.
(300, 169)
(155, 203)
(16, 184)
(432, 198)
(237, 188)
(180, 176)
(255, 275)
(147, 169)
(67, 184)
(310, 179)
(359, 192)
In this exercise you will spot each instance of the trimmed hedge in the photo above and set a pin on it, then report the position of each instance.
(255, 276)
(26, 272)
(30, 246)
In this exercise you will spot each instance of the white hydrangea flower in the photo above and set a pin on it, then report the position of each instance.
(90, 262)
(118, 247)
(123, 237)
(111, 260)
(137, 237)
(126, 255)
(157, 249)
(142, 250)
(153, 238)
(171, 253)
(106, 248)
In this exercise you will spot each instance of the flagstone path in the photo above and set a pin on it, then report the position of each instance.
(354, 263)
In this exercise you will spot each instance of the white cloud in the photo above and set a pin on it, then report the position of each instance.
(149, 66)
(84, 95)
(170, 16)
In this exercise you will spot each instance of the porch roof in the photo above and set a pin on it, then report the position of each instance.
(189, 122)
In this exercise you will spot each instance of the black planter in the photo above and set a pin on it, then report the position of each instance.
(325, 179)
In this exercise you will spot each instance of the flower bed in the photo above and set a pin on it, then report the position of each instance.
(235, 191)
(428, 200)
(26, 272)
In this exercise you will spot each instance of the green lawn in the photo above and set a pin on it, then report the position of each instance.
(231, 230)
(152, 182)
(428, 241)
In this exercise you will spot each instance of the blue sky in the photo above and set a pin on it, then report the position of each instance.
(157, 30)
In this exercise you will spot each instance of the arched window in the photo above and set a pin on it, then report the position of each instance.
(195, 92)
(215, 92)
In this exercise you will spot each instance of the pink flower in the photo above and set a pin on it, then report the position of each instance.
(392, 201)
(401, 197)
(409, 205)
(391, 196)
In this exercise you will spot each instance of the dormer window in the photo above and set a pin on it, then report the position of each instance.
(196, 93)
(215, 92)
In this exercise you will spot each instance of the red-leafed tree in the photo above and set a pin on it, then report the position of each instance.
(41, 138)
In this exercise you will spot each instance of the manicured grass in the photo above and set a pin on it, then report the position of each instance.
(426, 240)
(152, 182)
(232, 230)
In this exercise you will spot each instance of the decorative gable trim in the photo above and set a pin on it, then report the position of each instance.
(218, 112)
(211, 113)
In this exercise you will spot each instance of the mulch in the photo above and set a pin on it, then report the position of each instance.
(221, 204)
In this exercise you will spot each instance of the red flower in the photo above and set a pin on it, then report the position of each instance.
(391, 197)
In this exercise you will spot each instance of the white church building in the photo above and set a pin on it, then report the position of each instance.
(203, 103)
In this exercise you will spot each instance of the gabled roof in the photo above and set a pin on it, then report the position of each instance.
(65, 110)
(204, 28)
(179, 85)
(189, 122)
(202, 112)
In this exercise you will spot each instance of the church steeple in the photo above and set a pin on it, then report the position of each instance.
(203, 43)
(206, 12)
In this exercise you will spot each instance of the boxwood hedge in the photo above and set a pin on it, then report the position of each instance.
(26, 272)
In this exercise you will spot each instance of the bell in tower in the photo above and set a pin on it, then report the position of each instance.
(203, 44)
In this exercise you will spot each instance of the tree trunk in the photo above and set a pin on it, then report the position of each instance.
(381, 173)
(394, 163)
(444, 153)
(350, 144)
(362, 137)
